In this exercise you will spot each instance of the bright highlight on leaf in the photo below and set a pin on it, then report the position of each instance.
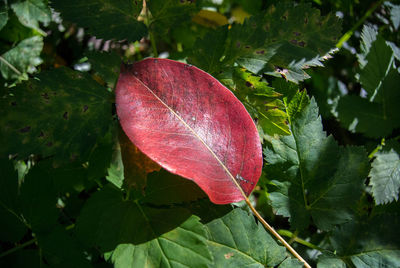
(191, 125)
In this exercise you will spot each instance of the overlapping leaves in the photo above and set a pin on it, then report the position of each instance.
(314, 177)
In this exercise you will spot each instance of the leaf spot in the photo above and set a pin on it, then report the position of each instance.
(85, 108)
(65, 115)
(248, 84)
(260, 52)
(13, 103)
(25, 129)
(49, 144)
(228, 255)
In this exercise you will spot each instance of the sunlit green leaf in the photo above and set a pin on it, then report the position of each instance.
(31, 12)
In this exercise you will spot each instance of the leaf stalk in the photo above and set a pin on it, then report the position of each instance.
(275, 233)
(8, 252)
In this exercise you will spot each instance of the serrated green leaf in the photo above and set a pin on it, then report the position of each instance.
(376, 62)
(315, 177)
(260, 100)
(108, 19)
(183, 246)
(31, 12)
(286, 40)
(140, 234)
(3, 16)
(12, 228)
(366, 242)
(21, 59)
(374, 119)
(385, 175)
(46, 117)
(235, 240)
(106, 65)
(115, 172)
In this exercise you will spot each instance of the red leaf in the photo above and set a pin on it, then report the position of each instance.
(190, 124)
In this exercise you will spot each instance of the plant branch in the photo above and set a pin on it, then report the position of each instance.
(295, 238)
(8, 252)
(10, 65)
(275, 233)
(151, 34)
(350, 32)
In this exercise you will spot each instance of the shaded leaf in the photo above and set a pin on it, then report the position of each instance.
(116, 19)
(38, 199)
(46, 117)
(60, 249)
(164, 188)
(385, 174)
(23, 258)
(108, 220)
(191, 125)
(31, 12)
(106, 65)
(213, 41)
(166, 14)
(3, 16)
(11, 226)
(315, 178)
(184, 246)
(235, 240)
(366, 242)
(21, 59)
(136, 165)
(286, 40)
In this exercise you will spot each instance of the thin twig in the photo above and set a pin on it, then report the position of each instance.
(10, 65)
(275, 233)
(8, 252)
(350, 32)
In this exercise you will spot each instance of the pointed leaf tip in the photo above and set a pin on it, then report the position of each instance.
(191, 125)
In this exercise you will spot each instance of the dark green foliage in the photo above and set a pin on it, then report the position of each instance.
(46, 116)
(107, 19)
(71, 195)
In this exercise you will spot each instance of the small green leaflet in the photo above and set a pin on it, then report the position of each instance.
(3, 16)
(385, 174)
(22, 58)
(31, 12)
(314, 177)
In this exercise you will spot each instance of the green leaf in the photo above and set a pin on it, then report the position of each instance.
(235, 240)
(169, 13)
(115, 172)
(374, 119)
(60, 249)
(286, 40)
(12, 228)
(106, 65)
(214, 42)
(23, 58)
(314, 177)
(376, 62)
(291, 263)
(31, 12)
(3, 16)
(330, 261)
(385, 174)
(46, 117)
(260, 100)
(108, 19)
(184, 246)
(164, 188)
(38, 199)
(142, 234)
(366, 242)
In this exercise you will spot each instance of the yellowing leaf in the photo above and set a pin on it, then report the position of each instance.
(209, 18)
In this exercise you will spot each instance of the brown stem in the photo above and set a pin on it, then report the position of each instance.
(275, 233)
